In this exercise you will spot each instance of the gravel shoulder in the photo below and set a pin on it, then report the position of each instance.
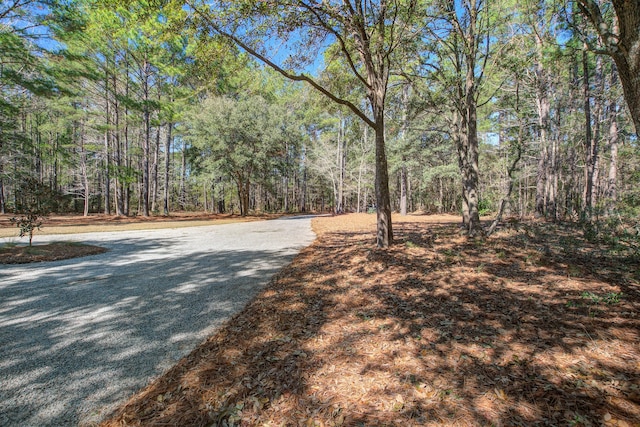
(79, 336)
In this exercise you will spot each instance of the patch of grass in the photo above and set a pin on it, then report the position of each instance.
(409, 244)
(608, 298)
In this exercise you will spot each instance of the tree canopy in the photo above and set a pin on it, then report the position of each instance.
(470, 107)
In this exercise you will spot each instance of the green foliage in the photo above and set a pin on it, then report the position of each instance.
(485, 207)
(608, 298)
(244, 138)
(35, 202)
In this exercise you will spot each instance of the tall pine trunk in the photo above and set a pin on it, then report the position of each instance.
(588, 141)
(117, 140)
(154, 172)
(384, 235)
(146, 142)
(107, 163)
(167, 150)
(613, 140)
(470, 143)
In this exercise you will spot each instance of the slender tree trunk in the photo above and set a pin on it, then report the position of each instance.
(154, 172)
(341, 165)
(204, 195)
(3, 208)
(107, 164)
(598, 119)
(611, 192)
(285, 179)
(303, 186)
(547, 164)
(512, 167)
(83, 171)
(403, 189)
(362, 201)
(245, 200)
(146, 143)
(167, 149)
(471, 186)
(126, 187)
(588, 140)
(116, 138)
(403, 141)
(214, 200)
(2, 194)
(543, 107)
(243, 194)
(540, 200)
(183, 176)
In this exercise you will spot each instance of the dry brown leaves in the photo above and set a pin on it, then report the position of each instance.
(46, 252)
(531, 327)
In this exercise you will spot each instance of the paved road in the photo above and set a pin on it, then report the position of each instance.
(77, 337)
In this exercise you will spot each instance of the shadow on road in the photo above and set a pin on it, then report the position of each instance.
(79, 336)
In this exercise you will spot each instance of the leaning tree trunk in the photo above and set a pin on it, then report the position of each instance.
(626, 54)
(621, 41)
(512, 167)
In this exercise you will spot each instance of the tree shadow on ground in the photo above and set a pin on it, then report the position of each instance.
(438, 330)
(106, 328)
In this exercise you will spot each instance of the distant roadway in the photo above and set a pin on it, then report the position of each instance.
(77, 337)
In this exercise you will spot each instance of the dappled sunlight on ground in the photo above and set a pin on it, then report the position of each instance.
(79, 336)
(531, 327)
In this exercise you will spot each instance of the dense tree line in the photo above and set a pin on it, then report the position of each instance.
(472, 106)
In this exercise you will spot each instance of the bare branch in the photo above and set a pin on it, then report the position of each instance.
(338, 36)
(282, 71)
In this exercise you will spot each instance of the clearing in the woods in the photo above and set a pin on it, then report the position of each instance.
(533, 326)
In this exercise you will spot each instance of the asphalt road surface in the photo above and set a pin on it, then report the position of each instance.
(77, 337)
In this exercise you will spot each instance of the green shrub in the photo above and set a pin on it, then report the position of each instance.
(34, 202)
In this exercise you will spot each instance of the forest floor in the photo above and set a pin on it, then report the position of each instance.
(533, 326)
(16, 252)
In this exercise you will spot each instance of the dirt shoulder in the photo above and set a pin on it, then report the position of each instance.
(71, 224)
(15, 252)
(532, 327)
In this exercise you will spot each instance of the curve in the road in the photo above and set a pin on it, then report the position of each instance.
(77, 337)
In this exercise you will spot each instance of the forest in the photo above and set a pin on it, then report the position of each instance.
(495, 108)
(422, 126)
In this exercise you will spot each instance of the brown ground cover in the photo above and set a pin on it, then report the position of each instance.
(49, 252)
(533, 326)
(67, 224)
